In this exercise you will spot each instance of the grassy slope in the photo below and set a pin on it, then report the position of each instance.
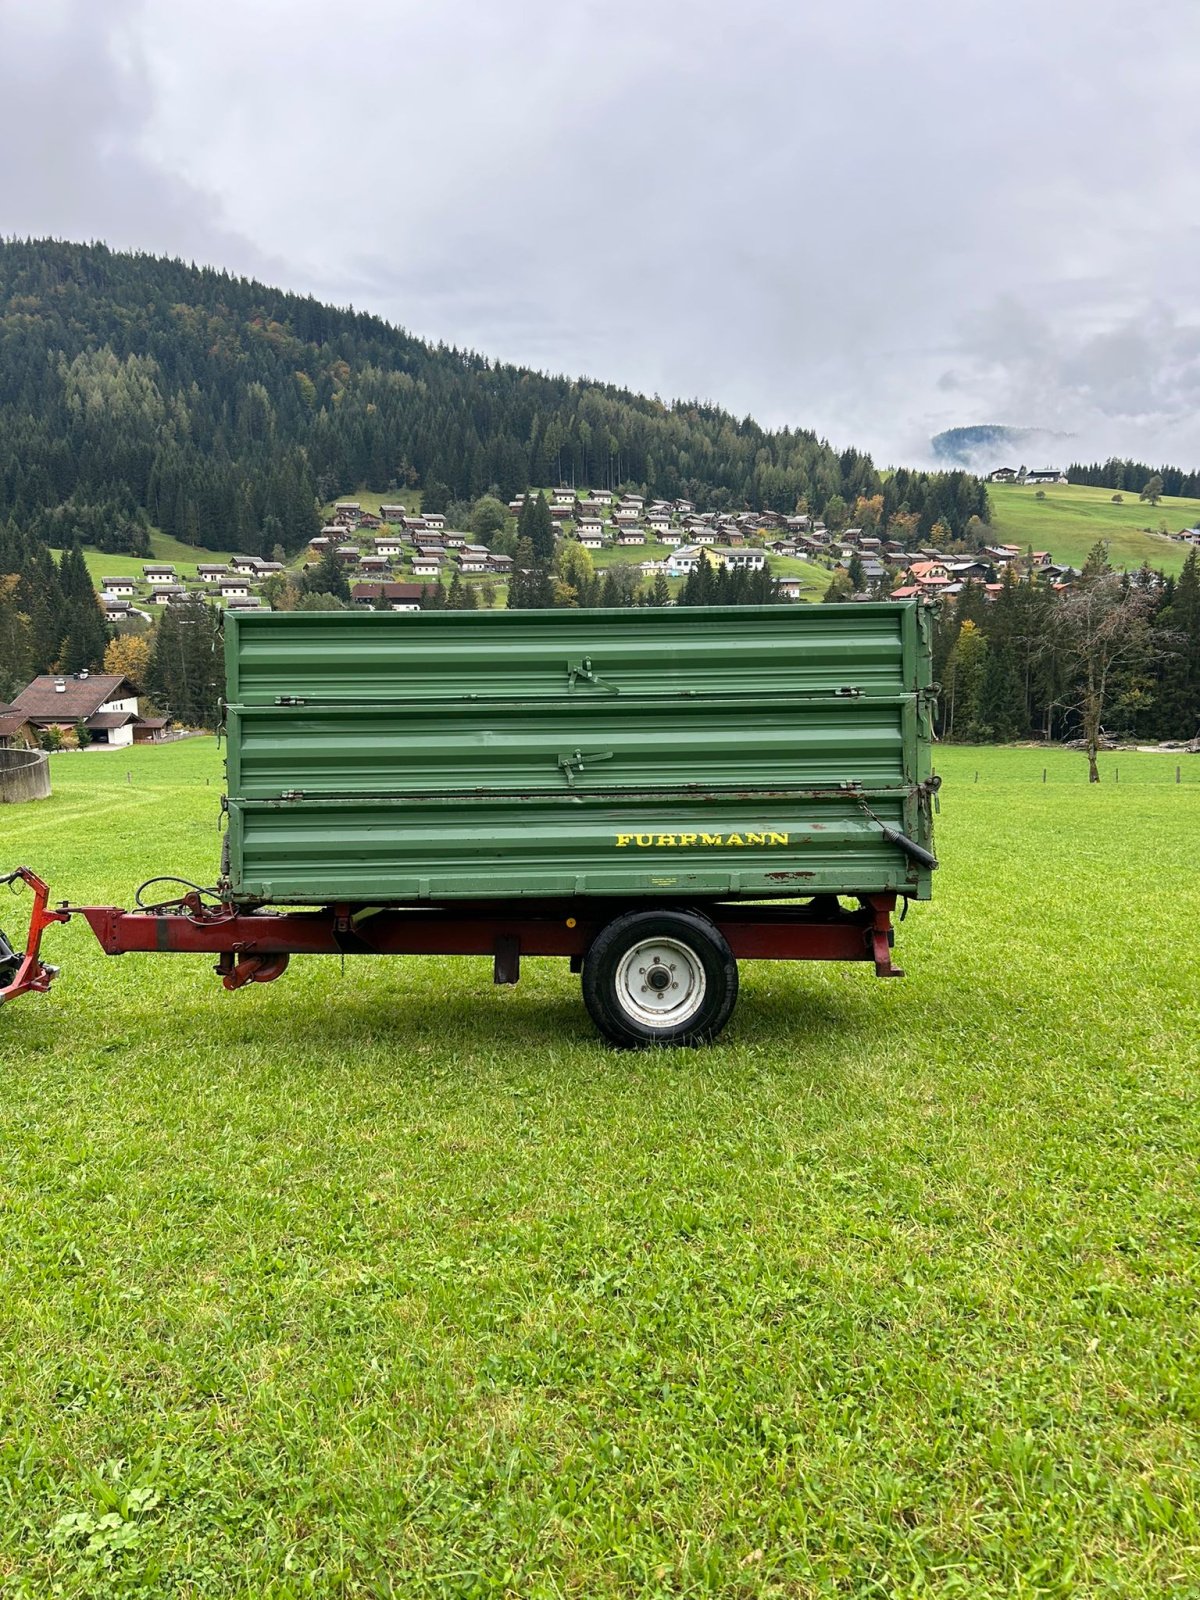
(162, 546)
(398, 1283)
(1071, 518)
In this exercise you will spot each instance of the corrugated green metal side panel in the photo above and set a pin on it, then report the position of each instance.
(446, 755)
(453, 849)
(351, 658)
(556, 746)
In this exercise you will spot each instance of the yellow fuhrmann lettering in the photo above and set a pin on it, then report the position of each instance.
(711, 838)
(665, 839)
(623, 839)
(734, 838)
(686, 839)
(643, 840)
(756, 838)
(778, 838)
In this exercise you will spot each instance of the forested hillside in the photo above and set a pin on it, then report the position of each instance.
(136, 391)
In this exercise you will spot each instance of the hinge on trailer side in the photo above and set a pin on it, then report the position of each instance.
(582, 672)
(292, 794)
(574, 762)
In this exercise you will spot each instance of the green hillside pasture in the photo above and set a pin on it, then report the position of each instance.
(371, 500)
(1071, 518)
(162, 548)
(387, 1282)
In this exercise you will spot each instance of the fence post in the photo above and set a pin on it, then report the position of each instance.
(1176, 774)
(1043, 774)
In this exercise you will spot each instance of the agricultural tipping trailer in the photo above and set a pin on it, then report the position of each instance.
(653, 794)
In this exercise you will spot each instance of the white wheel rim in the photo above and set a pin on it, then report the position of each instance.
(661, 983)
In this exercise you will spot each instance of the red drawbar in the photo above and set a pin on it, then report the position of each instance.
(32, 976)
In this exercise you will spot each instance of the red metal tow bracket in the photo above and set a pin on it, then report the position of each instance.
(32, 976)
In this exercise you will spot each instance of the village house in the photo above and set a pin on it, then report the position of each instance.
(389, 596)
(348, 511)
(453, 540)
(158, 572)
(388, 545)
(104, 702)
(560, 512)
(739, 560)
(373, 563)
(117, 610)
(347, 554)
(117, 588)
(247, 602)
(625, 516)
(474, 558)
(368, 521)
(1046, 475)
(790, 588)
(434, 520)
(602, 497)
(393, 512)
(427, 566)
(1003, 475)
(631, 536)
(246, 565)
(672, 538)
(591, 537)
(500, 563)
(16, 730)
(163, 594)
(212, 571)
(233, 589)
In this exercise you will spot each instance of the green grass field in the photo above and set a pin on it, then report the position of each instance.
(1071, 518)
(162, 548)
(386, 1282)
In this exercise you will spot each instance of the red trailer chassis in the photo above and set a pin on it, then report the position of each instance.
(253, 946)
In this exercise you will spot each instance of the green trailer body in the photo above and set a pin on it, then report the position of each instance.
(670, 755)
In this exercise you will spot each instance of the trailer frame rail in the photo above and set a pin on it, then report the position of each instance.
(255, 945)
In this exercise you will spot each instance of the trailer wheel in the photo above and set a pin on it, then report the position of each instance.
(10, 960)
(660, 978)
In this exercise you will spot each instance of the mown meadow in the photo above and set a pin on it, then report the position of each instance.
(386, 1282)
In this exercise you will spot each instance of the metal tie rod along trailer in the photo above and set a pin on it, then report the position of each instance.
(655, 794)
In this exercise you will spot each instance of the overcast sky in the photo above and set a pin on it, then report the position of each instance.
(875, 218)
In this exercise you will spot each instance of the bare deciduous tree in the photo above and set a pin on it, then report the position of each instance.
(1102, 630)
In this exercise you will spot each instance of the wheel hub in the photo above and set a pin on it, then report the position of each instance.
(661, 983)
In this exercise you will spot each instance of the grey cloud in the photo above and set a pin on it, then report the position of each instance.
(872, 219)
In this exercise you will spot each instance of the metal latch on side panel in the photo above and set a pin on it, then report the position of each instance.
(582, 672)
(570, 764)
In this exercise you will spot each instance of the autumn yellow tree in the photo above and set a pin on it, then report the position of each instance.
(129, 656)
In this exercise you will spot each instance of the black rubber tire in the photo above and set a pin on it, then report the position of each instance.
(10, 960)
(707, 943)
